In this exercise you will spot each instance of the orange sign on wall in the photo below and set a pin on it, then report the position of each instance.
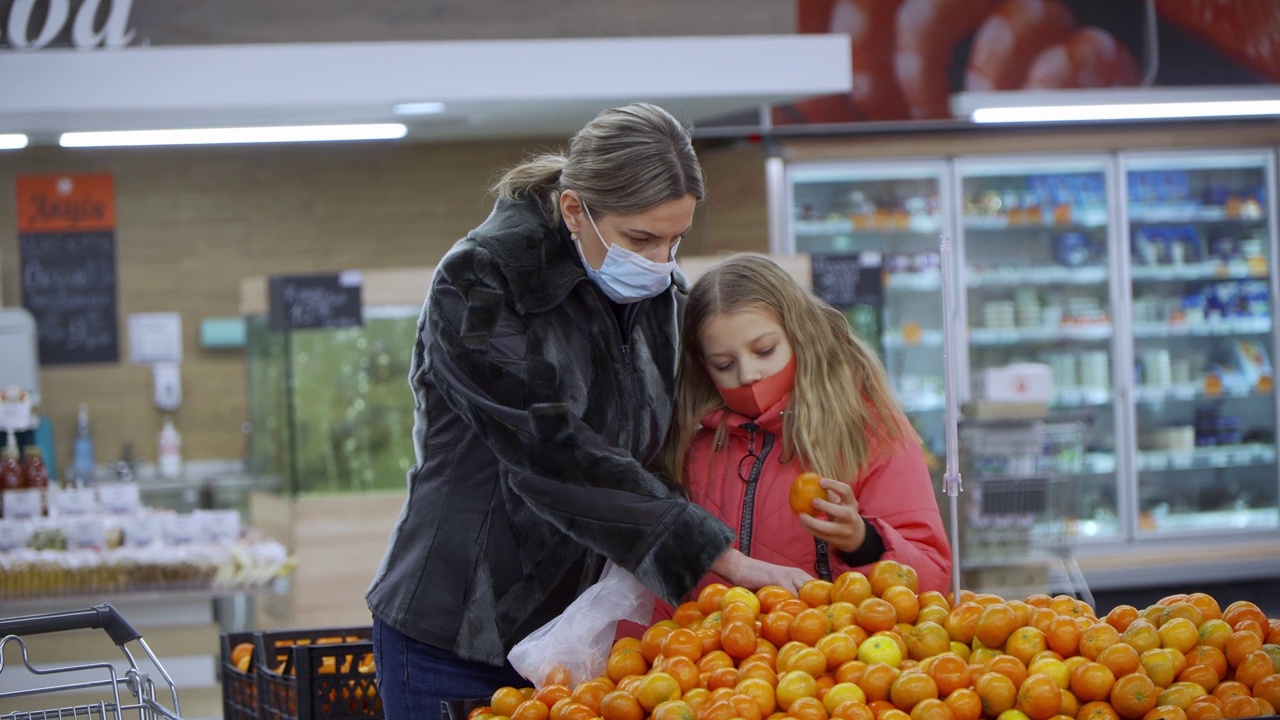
(66, 203)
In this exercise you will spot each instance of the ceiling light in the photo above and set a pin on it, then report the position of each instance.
(1108, 104)
(220, 136)
(418, 108)
(12, 141)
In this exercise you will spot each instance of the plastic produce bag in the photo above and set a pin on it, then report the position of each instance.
(579, 639)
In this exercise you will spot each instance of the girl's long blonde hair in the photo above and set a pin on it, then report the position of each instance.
(841, 405)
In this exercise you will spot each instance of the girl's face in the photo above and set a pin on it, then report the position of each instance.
(742, 347)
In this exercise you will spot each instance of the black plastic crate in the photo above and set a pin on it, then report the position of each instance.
(239, 688)
(316, 675)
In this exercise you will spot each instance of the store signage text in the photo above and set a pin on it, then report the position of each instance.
(34, 24)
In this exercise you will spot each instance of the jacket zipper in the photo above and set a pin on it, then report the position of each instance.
(749, 499)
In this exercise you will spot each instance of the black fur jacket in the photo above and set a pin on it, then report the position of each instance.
(538, 404)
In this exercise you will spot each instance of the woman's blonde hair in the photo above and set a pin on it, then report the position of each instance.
(841, 405)
(625, 161)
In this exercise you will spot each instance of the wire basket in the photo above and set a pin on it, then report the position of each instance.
(1021, 497)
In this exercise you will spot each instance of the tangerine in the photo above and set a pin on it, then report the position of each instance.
(1133, 695)
(1039, 697)
(851, 587)
(997, 692)
(816, 593)
(806, 488)
(534, 710)
(887, 573)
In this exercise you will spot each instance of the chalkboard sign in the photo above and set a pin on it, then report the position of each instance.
(315, 301)
(847, 280)
(69, 286)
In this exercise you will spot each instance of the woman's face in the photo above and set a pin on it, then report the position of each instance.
(742, 347)
(651, 233)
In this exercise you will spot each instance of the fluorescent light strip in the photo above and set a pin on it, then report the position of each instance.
(418, 108)
(1126, 111)
(12, 141)
(221, 136)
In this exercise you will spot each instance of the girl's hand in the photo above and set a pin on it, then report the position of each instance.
(753, 574)
(844, 529)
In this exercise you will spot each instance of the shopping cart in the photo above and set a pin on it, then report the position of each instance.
(1023, 494)
(86, 690)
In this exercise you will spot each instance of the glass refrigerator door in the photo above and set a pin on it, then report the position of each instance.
(1039, 282)
(895, 210)
(1201, 253)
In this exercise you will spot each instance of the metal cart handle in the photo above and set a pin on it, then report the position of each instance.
(102, 616)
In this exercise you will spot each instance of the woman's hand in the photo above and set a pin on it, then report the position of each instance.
(844, 529)
(753, 574)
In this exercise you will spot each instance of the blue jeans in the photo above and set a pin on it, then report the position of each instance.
(415, 678)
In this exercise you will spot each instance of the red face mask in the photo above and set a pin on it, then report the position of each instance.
(752, 400)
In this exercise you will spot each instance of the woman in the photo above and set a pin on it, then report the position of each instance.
(543, 373)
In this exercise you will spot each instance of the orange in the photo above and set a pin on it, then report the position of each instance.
(716, 659)
(1097, 638)
(1039, 697)
(1025, 643)
(1133, 695)
(931, 709)
(930, 598)
(1039, 600)
(1241, 706)
(936, 614)
(853, 710)
(620, 705)
(549, 695)
(558, 675)
(738, 639)
(1121, 658)
(505, 700)
(806, 488)
(1253, 667)
(1092, 681)
(842, 614)
(996, 623)
(687, 615)
(1097, 710)
(927, 639)
(1179, 634)
(850, 671)
(1161, 665)
(1041, 617)
(810, 626)
(793, 686)
(965, 704)
(1009, 666)
(1178, 695)
(1268, 689)
(672, 710)
(791, 606)
(760, 692)
(1208, 607)
(904, 602)
(241, 654)
(1228, 689)
(1244, 610)
(876, 614)
(684, 670)
(711, 597)
(997, 692)
(876, 680)
(1215, 633)
(1068, 705)
(1165, 712)
(626, 643)
(591, 692)
(909, 688)
(962, 621)
(1210, 656)
(841, 693)
(1184, 610)
(1063, 635)
(776, 627)
(808, 659)
(887, 573)
(1141, 635)
(851, 587)
(1240, 644)
(652, 639)
(950, 673)
(770, 595)
(1203, 676)
(622, 663)
(816, 593)
(745, 708)
(657, 688)
(535, 710)
(807, 708)
(839, 648)
(569, 709)
(738, 611)
(1120, 617)
(721, 678)
(683, 642)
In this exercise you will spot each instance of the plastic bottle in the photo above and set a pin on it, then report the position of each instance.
(170, 455)
(82, 462)
(36, 475)
(11, 477)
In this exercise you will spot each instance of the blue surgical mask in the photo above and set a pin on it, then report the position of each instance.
(626, 276)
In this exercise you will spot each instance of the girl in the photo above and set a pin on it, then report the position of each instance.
(772, 382)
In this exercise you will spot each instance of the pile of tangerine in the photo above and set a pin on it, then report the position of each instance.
(870, 647)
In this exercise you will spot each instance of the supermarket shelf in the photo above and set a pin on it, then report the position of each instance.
(1085, 218)
(894, 340)
(890, 223)
(1193, 391)
(1225, 326)
(1216, 520)
(1175, 212)
(1099, 463)
(989, 337)
(931, 404)
(1198, 271)
(1082, 397)
(1228, 456)
(928, 281)
(1053, 275)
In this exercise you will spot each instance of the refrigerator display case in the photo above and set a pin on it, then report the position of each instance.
(1201, 250)
(895, 212)
(1036, 239)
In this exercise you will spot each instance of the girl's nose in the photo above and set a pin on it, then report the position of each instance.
(660, 252)
(750, 374)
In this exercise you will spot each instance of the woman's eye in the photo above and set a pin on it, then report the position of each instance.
(722, 368)
(767, 353)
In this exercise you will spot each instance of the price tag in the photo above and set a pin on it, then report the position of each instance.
(218, 526)
(181, 530)
(74, 502)
(143, 529)
(84, 533)
(22, 504)
(119, 498)
(14, 534)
